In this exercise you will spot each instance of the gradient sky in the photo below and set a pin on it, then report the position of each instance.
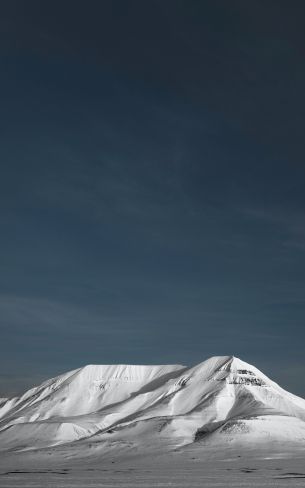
(152, 185)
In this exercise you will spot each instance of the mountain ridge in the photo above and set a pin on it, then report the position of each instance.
(221, 400)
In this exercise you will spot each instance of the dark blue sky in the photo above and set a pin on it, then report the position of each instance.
(152, 185)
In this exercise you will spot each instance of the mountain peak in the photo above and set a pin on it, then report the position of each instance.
(169, 404)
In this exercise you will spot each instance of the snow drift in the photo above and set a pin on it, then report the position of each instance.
(222, 400)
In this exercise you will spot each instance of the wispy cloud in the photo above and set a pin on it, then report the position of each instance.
(40, 317)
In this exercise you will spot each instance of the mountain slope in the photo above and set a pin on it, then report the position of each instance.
(221, 400)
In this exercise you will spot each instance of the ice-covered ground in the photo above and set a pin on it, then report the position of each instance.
(220, 423)
(190, 468)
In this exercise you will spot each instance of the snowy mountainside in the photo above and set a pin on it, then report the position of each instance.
(221, 400)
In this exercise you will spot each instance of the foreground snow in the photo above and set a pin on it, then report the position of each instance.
(113, 412)
(192, 467)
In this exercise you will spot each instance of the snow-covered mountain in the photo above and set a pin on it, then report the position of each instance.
(222, 400)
